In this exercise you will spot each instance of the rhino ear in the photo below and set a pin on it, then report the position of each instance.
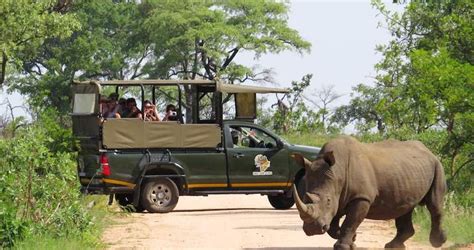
(329, 158)
(302, 161)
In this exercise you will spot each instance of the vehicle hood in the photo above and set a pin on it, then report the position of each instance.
(307, 151)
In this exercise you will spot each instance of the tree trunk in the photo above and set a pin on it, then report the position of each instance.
(3, 68)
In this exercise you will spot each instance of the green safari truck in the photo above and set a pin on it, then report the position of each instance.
(149, 164)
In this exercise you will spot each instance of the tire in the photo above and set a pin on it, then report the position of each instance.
(160, 195)
(281, 201)
(125, 201)
(301, 187)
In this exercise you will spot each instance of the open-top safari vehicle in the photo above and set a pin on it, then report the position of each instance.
(149, 164)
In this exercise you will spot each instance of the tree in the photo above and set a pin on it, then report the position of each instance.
(26, 24)
(107, 47)
(424, 81)
(292, 114)
(201, 39)
(364, 109)
(160, 39)
(324, 97)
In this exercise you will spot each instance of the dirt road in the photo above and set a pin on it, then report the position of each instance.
(230, 221)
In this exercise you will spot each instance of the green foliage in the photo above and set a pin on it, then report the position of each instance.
(308, 139)
(156, 39)
(424, 84)
(38, 186)
(362, 110)
(12, 126)
(106, 45)
(26, 24)
(295, 116)
(201, 38)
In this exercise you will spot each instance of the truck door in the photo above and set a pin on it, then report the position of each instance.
(254, 159)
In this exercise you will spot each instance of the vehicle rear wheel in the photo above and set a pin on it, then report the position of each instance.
(160, 195)
(281, 201)
(125, 201)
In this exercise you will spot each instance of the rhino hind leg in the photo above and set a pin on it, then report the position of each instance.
(434, 203)
(405, 230)
(437, 234)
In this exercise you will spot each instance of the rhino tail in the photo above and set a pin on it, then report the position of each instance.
(437, 191)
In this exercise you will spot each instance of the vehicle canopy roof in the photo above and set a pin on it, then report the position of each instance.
(87, 95)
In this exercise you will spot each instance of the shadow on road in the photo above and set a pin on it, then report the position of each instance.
(296, 248)
(296, 227)
(292, 248)
(220, 211)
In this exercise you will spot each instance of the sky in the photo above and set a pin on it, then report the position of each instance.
(343, 34)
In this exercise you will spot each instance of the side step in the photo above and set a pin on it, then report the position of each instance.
(263, 192)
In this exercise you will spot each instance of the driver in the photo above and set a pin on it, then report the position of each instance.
(236, 138)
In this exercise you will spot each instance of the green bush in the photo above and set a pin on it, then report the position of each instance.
(38, 186)
(308, 139)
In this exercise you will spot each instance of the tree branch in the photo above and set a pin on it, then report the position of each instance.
(137, 66)
(459, 168)
(229, 59)
(172, 98)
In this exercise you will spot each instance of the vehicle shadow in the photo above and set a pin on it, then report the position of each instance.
(290, 248)
(295, 227)
(296, 248)
(219, 211)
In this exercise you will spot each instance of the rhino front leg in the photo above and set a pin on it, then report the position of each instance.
(334, 229)
(356, 211)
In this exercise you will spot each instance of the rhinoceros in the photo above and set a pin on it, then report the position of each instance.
(379, 181)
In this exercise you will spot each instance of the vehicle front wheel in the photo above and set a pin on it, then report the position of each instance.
(160, 195)
(281, 201)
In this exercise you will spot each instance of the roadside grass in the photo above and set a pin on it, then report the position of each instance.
(89, 239)
(458, 222)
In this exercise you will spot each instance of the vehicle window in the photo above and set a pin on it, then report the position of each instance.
(247, 137)
(84, 103)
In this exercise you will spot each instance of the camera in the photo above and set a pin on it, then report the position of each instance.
(172, 115)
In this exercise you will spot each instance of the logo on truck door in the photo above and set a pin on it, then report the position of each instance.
(262, 164)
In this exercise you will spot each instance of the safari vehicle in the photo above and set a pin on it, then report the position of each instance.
(148, 165)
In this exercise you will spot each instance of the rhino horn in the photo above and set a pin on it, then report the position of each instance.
(306, 211)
